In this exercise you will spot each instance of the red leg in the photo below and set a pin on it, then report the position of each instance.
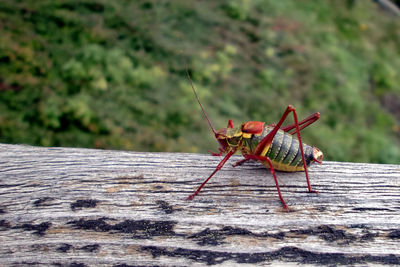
(240, 162)
(220, 165)
(266, 160)
(221, 150)
(268, 140)
(217, 154)
(230, 124)
(307, 121)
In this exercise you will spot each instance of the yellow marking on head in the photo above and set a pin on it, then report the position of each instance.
(246, 135)
(237, 134)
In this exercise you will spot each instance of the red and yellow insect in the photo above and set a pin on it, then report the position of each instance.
(272, 145)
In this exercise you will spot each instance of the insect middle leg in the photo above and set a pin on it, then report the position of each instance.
(268, 163)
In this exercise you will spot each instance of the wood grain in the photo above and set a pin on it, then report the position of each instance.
(86, 207)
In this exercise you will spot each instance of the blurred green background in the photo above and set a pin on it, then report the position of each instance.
(111, 74)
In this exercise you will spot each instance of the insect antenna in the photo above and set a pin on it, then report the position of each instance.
(198, 100)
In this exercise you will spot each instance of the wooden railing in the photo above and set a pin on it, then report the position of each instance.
(66, 206)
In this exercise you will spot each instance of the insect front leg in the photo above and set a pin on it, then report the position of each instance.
(220, 165)
(221, 151)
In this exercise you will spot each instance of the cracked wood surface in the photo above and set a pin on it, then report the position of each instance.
(66, 206)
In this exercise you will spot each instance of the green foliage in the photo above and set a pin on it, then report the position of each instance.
(111, 74)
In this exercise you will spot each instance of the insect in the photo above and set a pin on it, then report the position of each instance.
(272, 145)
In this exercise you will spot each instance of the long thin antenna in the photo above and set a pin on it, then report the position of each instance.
(198, 100)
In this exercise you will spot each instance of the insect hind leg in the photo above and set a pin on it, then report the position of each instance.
(302, 124)
(267, 140)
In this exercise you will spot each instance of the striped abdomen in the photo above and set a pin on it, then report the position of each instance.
(284, 150)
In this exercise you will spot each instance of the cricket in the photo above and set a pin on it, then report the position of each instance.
(272, 145)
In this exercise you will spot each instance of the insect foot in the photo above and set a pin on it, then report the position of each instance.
(190, 197)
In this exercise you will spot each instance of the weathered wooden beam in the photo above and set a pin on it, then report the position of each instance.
(66, 206)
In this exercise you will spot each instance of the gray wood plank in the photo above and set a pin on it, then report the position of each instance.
(65, 206)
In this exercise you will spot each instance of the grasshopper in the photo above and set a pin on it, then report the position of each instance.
(272, 145)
